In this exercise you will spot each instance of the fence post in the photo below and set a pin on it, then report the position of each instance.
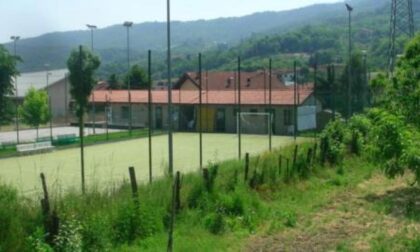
(178, 192)
(246, 166)
(134, 188)
(294, 157)
(309, 158)
(51, 222)
(314, 152)
(280, 163)
(287, 168)
(45, 202)
(172, 218)
(206, 178)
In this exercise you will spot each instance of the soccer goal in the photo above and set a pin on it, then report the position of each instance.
(259, 123)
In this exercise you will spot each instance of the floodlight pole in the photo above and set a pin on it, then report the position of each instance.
(315, 92)
(239, 111)
(271, 114)
(170, 116)
(149, 109)
(15, 39)
(49, 100)
(295, 101)
(92, 28)
(128, 25)
(365, 80)
(200, 108)
(349, 87)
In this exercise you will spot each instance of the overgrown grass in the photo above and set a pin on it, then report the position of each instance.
(214, 216)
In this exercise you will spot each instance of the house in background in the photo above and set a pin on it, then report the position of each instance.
(55, 82)
(220, 99)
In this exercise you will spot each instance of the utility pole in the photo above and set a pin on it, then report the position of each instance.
(92, 28)
(349, 84)
(128, 25)
(170, 116)
(15, 39)
(48, 74)
(402, 23)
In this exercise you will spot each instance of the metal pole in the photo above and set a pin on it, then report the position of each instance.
(349, 88)
(92, 28)
(49, 106)
(333, 90)
(170, 123)
(239, 111)
(200, 109)
(81, 129)
(129, 82)
(270, 109)
(15, 39)
(149, 109)
(295, 101)
(315, 93)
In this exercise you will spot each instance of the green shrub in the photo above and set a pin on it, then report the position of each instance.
(132, 222)
(215, 223)
(96, 233)
(69, 238)
(290, 219)
(332, 142)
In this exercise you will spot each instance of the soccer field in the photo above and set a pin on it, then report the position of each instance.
(107, 164)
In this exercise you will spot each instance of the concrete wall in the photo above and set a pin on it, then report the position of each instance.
(60, 97)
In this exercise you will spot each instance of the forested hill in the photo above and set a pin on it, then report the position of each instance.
(188, 37)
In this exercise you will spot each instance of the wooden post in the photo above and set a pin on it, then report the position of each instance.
(45, 203)
(294, 157)
(172, 219)
(134, 188)
(309, 158)
(314, 152)
(280, 163)
(206, 178)
(178, 192)
(246, 166)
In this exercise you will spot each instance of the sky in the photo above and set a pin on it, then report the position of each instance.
(29, 18)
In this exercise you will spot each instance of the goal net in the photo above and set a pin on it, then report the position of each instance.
(254, 123)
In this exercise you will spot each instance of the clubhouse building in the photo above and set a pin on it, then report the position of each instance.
(220, 99)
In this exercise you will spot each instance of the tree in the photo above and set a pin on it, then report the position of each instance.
(35, 110)
(7, 71)
(114, 82)
(82, 65)
(137, 77)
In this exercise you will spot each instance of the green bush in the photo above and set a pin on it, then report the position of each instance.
(332, 142)
(215, 223)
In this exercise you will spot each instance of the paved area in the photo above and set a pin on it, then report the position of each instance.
(30, 135)
(107, 164)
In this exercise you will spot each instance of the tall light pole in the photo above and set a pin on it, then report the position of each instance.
(349, 91)
(365, 90)
(48, 74)
(170, 118)
(128, 25)
(92, 28)
(15, 39)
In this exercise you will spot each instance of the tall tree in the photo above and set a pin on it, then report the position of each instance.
(82, 65)
(34, 110)
(137, 77)
(7, 71)
(114, 82)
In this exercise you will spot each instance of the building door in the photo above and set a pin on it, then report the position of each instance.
(221, 120)
(159, 119)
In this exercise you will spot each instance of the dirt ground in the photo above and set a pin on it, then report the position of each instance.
(353, 220)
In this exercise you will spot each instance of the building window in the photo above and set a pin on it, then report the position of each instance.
(125, 112)
(287, 114)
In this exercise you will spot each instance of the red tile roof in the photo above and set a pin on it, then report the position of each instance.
(225, 97)
(228, 80)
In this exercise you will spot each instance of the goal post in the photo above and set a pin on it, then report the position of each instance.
(254, 123)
